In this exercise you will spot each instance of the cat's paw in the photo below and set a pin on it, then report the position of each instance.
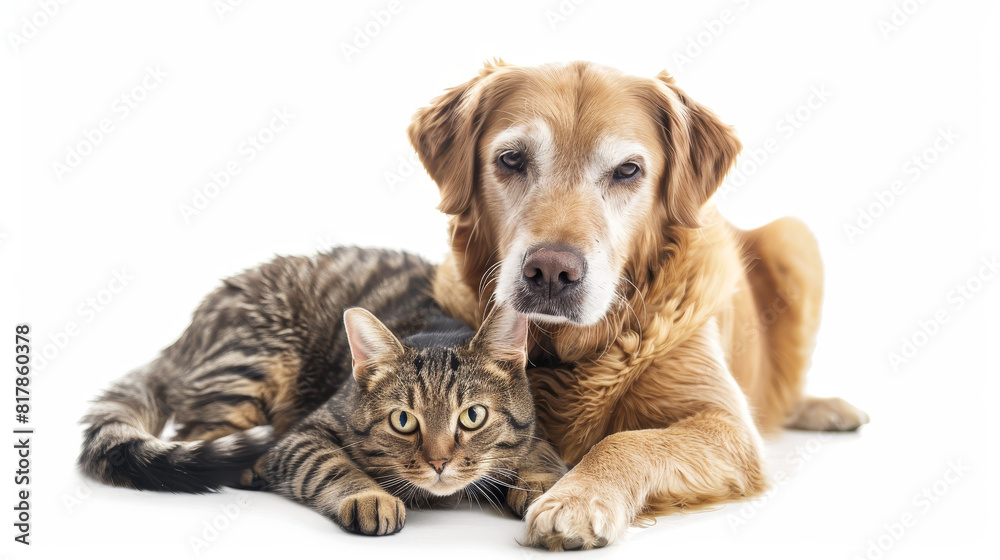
(527, 492)
(372, 512)
(573, 518)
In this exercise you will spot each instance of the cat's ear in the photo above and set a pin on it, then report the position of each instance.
(370, 341)
(504, 336)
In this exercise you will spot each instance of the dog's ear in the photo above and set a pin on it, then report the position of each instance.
(445, 136)
(700, 149)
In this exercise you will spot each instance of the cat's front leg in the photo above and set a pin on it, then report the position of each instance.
(538, 471)
(313, 469)
(371, 511)
(326, 479)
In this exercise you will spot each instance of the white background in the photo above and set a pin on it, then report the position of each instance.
(323, 181)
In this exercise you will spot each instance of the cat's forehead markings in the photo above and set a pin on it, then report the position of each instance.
(418, 363)
(494, 369)
(452, 379)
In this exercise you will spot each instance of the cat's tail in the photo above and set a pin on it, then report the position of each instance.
(121, 446)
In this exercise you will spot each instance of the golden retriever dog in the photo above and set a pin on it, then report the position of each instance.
(665, 340)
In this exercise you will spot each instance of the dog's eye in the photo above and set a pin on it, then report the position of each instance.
(626, 170)
(512, 160)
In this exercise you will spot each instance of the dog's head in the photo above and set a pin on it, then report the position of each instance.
(558, 176)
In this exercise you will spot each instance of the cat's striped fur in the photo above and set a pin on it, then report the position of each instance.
(268, 348)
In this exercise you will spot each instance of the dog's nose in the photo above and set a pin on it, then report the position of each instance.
(550, 270)
(438, 464)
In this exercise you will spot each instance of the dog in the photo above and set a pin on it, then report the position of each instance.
(665, 340)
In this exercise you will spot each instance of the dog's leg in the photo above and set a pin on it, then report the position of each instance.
(786, 275)
(703, 459)
(711, 453)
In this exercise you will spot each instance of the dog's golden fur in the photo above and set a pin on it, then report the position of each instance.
(659, 404)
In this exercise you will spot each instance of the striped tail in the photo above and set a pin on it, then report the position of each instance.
(121, 445)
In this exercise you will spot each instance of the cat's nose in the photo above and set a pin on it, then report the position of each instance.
(438, 464)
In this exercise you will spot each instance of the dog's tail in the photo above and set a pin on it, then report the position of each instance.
(121, 446)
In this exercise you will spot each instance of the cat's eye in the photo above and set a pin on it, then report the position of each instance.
(403, 422)
(473, 417)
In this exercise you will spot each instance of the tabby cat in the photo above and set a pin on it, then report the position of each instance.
(361, 417)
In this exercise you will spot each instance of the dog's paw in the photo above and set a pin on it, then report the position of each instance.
(574, 519)
(826, 415)
(372, 512)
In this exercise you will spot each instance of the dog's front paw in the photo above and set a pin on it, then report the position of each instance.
(371, 513)
(577, 517)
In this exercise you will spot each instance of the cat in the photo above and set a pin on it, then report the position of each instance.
(433, 416)
(245, 382)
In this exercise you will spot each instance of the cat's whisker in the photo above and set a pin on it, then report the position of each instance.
(385, 476)
(346, 446)
(469, 496)
(411, 494)
(473, 494)
(396, 484)
(495, 481)
(488, 497)
(506, 459)
(511, 475)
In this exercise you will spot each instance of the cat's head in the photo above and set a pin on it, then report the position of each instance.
(444, 417)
